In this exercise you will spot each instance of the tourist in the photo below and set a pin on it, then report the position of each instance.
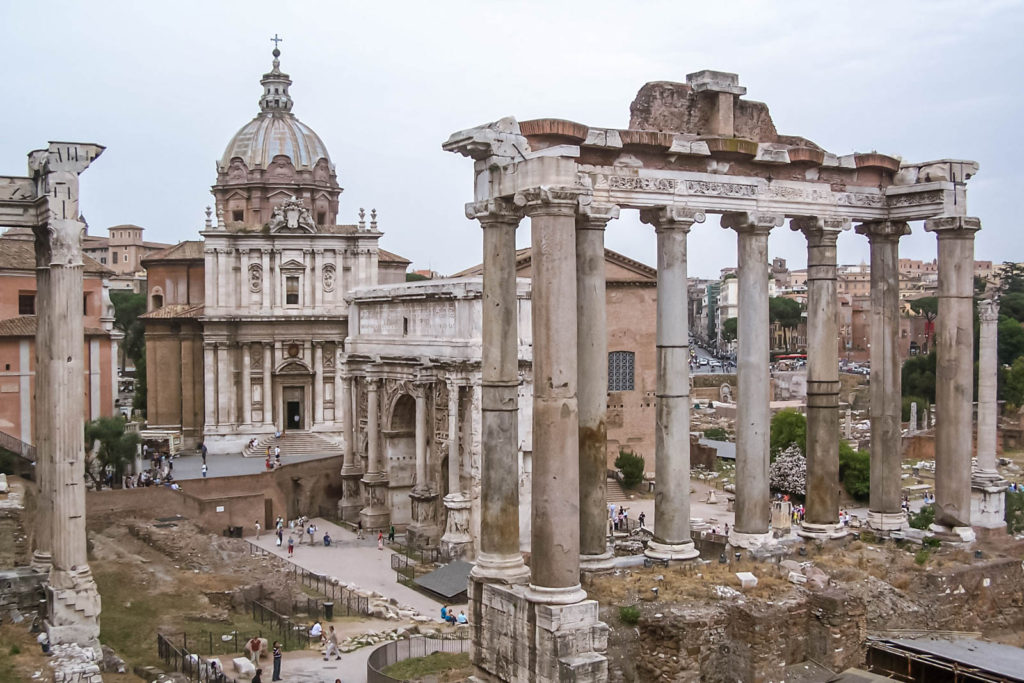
(640, 518)
(316, 630)
(462, 618)
(444, 612)
(327, 540)
(204, 470)
(257, 677)
(391, 535)
(202, 449)
(310, 531)
(269, 466)
(277, 459)
(277, 453)
(291, 546)
(280, 536)
(277, 662)
(332, 645)
(359, 529)
(727, 528)
(254, 649)
(258, 529)
(380, 540)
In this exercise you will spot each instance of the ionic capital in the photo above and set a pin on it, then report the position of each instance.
(672, 217)
(822, 229)
(962, 227)
(883, 230)
(751, 222)
(547, 200)
(988, 311)
(494, 211)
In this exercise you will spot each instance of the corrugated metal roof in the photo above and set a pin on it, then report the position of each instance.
(996, 658)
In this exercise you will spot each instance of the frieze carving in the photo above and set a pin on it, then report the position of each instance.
(916, 199)
(641, 184)
(790, 193)
(255, 278)
(720, 189)
(859, 199)
(440, 397)
(329, 277)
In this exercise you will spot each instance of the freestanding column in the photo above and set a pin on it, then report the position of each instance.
(351, 473)
(423, 532)
(456, 537)
(954, 374)
(988, 488)
(821, 519)
(672, 540)
(376, 514)
(885, 510)
(74, 603)
(422, 484)
(41, 556)
(752, 413)
(499, 559)
(592, 334)
(555, 537)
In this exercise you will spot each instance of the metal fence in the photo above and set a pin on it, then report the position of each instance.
(188, 661)
(347, 602)
(290, 633)
(400, 650)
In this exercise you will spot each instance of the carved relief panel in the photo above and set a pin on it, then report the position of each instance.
(255, 278)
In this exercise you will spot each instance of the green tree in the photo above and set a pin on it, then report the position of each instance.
(128, 306)
(116, 447)
(729, 329)
(1011, 340)
(1012, 306)
(141, 385)
(918, 377)
(415, 277)
(785, 312)
(855, 471)
(1011, 388)
(788, 426)
(928, 307)
(632, 467)
(1011, 278)
(1015, 511)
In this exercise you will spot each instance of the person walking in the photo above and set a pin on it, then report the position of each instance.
(204, 470)
(641, 518)
(391, 535)
(280, 536)
(254, 650)
(291, 546)
(277, 662)
(332, 645)
(202, 449)
(380, 540)
(359, 529)
(258, 529)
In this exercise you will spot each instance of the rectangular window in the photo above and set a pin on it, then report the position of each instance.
(113, 256)
(237, 215)
(85, 304)
(291, 291)
(620, 371)
(26, 304)
(103, 260)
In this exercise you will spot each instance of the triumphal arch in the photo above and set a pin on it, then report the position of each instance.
(691, 149)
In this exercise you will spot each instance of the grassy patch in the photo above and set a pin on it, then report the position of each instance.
(629, 614)
(446, 666)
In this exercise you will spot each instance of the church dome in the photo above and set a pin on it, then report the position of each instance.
(275, 131)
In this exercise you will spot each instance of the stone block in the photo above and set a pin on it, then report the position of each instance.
(747, 580)
(243, 666)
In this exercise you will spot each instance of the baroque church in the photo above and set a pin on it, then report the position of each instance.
(245, 327)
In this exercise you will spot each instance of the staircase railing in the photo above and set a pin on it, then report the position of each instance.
(17, 446)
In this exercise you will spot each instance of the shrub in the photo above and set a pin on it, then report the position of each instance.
(1015, 512)
(855, 471)
(931, 542)
(922, 408)
(15, 650)
(630, 614)
(924, 518)
(788, 427)
(921, 556)
(716, 434)
(631, 466)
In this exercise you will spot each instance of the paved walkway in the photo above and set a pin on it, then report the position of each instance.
(190, 465)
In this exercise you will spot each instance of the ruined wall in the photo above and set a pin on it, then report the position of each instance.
(986, 597)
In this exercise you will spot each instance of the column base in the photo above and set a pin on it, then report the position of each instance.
(503, 569)
(953, 535)
(739, 539)
(883, 522)
(42, 562)
(351, 495)
(376, 514)
(456, 537)
(822, 532)
(597, 564)
(74, 608)
(518, 639)
(673, 552)
(543, 595)
(988, 503)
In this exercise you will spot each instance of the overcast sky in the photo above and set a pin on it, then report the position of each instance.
(165, 85)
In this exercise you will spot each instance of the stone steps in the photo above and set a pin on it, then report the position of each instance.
(294, 443)
(615, 493)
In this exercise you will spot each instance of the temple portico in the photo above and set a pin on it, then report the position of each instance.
(691, 149)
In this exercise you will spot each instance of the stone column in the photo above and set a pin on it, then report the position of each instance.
(423, 532)
(592, 354)
(209, 386)
(885, 511)
(74, 602)
(988, 488)
(422, 485)
(672, 540)
(752, 413)
(456, 533)
(954, 374)
(499, 559)
(318, 383)
(246, 418)
(268, 388)
(41, 555)
(351, 472)
(376, 514)
(224, 388)
(265, 279)
(821, 519)
(555, 537)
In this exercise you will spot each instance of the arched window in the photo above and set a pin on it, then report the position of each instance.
(620, 371)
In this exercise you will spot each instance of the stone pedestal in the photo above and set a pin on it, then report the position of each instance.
(456, 531)
(886, 521)
(518, 640)
(988, 504)
(822, 532)
(423, 531)
(351, 495)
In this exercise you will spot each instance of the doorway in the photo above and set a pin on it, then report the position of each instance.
(294, 414)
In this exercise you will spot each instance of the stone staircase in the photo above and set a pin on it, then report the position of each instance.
(615, 493)
(294, 443)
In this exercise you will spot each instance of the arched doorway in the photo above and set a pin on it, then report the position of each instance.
(400, 454)
(293, 382)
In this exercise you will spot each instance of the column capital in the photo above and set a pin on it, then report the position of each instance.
(594, 216)
(883, 230)
(318, 250)
(494, 211)
(824, 227)
(266, 250)
(749, 221)
(672, 217)
(988, 311)
(949, 226)
(548, 200)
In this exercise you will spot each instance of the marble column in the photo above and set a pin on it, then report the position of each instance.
(885, 511)
(499, 559)
(209, 386)
(752, 412)
(821, 518)
(420, 398)
(268, 393)
(375, 514)
(351, 472)
(41, 426)
(672, 540)
(423, 532)
(246, 418)
(592, 354)
(954, 373)
(555, 534)
(456, 537)
(988, 488)
(318, 383)
(74, 602)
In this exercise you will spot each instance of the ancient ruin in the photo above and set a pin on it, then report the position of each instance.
(691, 149)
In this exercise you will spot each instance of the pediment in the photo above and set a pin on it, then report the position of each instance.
(292, 264)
